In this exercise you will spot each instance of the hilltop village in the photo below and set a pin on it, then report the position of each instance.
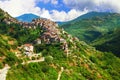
(50, 33)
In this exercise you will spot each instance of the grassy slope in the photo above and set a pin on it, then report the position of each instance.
(8, 46)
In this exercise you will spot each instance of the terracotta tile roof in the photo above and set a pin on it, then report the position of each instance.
(27, 44)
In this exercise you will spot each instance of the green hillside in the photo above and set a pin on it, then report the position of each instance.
(85, 16)
(109, 42)
(90, 29)
(90, 15)
(101, 31)
(83, 63)
(56, 54)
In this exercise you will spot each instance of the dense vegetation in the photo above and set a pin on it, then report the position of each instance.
(23, 35)
(83, 63)
(11, 36)
(91, 28)
(7, 46)
(109, 42)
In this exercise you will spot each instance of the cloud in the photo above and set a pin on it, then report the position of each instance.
(54, 2)
(94, 5)
(78, 7)
(45, 1)
(63, 16)
(18, 7)
(45, 14)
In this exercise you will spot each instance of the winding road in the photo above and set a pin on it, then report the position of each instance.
(59, 74)
(33, 61)
(3, 72)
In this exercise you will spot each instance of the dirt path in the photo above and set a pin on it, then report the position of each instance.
(40, 60)
(33, 61)
(59, 74)
(3, 72)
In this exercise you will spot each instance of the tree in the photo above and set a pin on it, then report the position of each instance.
(49, 59)
(11, 59)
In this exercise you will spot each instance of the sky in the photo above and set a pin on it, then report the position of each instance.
(58, 10)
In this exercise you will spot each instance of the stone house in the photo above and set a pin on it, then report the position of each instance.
(38, 41)
(28, 49)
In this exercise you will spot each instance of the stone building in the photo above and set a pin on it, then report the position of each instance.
(28, 49)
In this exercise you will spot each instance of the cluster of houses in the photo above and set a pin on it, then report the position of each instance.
(10, 20)
(51, 33)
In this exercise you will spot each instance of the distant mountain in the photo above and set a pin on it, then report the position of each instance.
(90, 15)
(27, 17)
(92, 25)
(86, 16)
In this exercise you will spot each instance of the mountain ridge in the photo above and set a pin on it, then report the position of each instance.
(90, 15)
(27, 17)
(86, 16)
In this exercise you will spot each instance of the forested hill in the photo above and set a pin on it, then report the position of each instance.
(90, 28)
(109, 42)
(97, 29)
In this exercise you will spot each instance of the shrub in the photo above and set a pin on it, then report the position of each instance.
(33, 58)
(1, 65)
(49, 59)
(93, 59)
(11, 59)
